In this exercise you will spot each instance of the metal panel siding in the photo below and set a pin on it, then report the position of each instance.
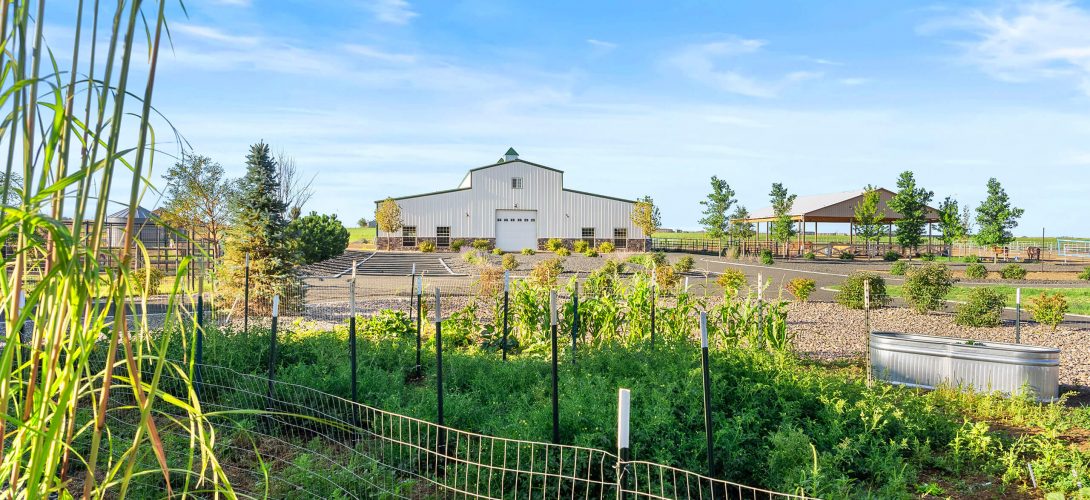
(928, 361)
(561, 214)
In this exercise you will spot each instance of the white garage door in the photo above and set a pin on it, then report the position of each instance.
(516, 229)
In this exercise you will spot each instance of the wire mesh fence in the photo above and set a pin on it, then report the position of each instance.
(281, 440)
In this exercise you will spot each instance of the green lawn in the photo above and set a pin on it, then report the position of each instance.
(1078, 299)
(356, 233)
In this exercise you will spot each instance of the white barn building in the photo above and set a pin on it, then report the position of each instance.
(515, 204)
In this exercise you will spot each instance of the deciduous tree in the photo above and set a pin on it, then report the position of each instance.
(995, 218)
(388, 216)
(716, 222)
(911, 202)
(868, 216)
(645, 215)
(292, 189)
(950, 222)
(740, 228)
(783, 228)
(198, 198)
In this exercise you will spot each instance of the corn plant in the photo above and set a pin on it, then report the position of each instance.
(63, 134)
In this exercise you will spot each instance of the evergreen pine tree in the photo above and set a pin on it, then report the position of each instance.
(258, 227)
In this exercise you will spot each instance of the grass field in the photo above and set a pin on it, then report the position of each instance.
(1078, 299)
(357, 233)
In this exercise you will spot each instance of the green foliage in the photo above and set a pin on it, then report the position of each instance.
(846, 256)
(591, 252)
(809, 255)
(545, 273)
(320, 237)
(715, 221)
(509, 263)
(145, 280)
(197, 198)
(497, 251)
(388, 216)
(606, 247)
(580, 246)
(473, 257)
(891, 256)
(554, 244)
(851, 293)
(970, 259)
(685, 264)
(868, 216)
(426, 246)
(482, 245)
(976, 271)
(645, 215)
(563, 252)
(801, 288)
(1085, 274)
(766, 257)
(1048, 309)
(783, 228)
(528, 251)
(911, 202)
(731, 280)
(951, 225)
(926, 287)
(984, 308)
(996, 217)
(740, 230)
(927, 257)
(1013, 272)
(898, 268)
(457, 244)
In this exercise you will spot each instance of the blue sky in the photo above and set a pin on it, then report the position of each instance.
(394, 97)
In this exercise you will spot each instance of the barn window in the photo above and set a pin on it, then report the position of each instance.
(442, 236)
(620, 237)
(516, 183)
(408, 236)
(588, 235)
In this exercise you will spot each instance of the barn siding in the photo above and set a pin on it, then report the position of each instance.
(560, 213)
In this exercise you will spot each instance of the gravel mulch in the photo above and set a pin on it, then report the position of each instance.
(829, 331)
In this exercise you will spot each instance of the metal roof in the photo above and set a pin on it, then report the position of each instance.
(834, 207)
(141, 214)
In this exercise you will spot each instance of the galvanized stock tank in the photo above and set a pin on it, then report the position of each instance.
(928, 361)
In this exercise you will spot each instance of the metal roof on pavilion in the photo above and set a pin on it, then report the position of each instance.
(835, 207)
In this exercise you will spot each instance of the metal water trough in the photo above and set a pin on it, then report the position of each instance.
(929, 361)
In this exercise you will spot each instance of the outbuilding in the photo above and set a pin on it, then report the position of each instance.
(514, 204)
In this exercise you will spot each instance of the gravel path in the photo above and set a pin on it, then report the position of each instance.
(829, 331)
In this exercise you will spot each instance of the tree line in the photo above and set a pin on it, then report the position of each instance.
(995, 217)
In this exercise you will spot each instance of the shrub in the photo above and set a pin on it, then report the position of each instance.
(1085, 274)
(809, 256)
(318, 237)
(766, 257)
(731, 280)
(927, 257)
(563, 252)
(547, 271)
(898, 268)
(984, 308)
(976, 271)
(497, 251)
(606, 247)
(685, 264)
(891, 256)
(554, 244)
(528, 251)
(926, 287)
(426, 246)
(482, 244)
(146, 275)
(472, 257)
(591, 253)
(801, 288)
(970, 259)
(847, 256)
(851, 291)
(489, 281)
(666, 278)
(736, 252)
(580, 246)
(1013, 272)
(457, 245)
(509, 262)
(1048, 309)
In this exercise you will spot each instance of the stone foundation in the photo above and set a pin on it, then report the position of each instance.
(393, 243)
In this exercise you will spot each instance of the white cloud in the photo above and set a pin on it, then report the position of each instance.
(851, 82)
(703, 62)
(1026, 42)
(379, 54)
(233, 3)
(397, 12)
(212, 34)
(601, 45)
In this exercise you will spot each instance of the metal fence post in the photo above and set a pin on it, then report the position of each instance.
(653, 307)
(506, 295)
(760, 309)
(352, 331)
(556, 398)
(1017, 315)
(198, 344)
(707, 391)
(575, 320)
(419, 319)
(272, 348)
(412, 291)
(624, 401)
(438, 357)
(866, 322)
(246, 296)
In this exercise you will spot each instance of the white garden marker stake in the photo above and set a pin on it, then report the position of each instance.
(1017, 315)
(276, 306)
(760, 308)
(506, 281)
(624, 406)
(686, 284)
(354, 264)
